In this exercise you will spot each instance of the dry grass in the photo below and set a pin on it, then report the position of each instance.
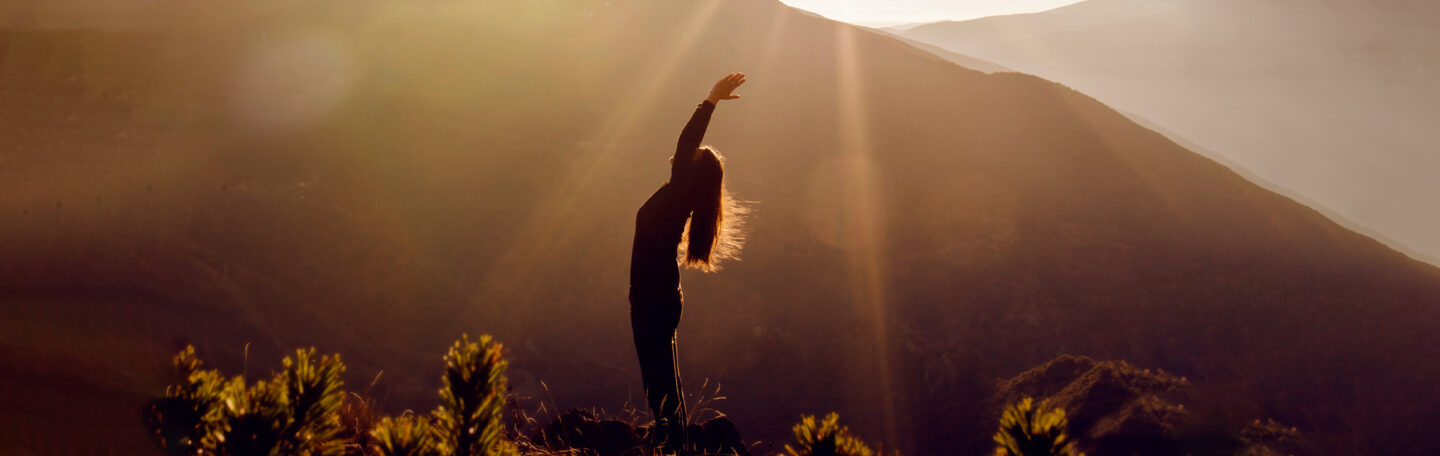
(358, 414)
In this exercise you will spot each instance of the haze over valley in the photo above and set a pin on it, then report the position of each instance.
(1331, 102)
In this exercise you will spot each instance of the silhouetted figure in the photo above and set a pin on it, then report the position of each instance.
(695, 193)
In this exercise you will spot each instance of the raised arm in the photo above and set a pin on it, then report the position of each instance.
(694, 131)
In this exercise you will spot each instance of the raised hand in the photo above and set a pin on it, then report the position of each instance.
(725, 86)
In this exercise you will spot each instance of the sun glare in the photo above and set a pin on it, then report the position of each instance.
(862, 227)
(547, 229)
(884, 13)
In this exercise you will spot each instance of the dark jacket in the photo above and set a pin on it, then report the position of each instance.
(660, 222)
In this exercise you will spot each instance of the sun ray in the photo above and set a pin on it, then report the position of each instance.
(773, 38)
(863, 220)
(546, 229)
(1123, 155)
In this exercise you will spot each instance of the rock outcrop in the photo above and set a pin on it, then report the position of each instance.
(1119, 409)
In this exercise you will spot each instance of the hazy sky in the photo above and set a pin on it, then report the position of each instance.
(890, 12)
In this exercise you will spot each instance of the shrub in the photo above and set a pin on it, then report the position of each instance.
(301, 410)
(825, 438)
(292, 413)
(189, 411)
(406, 435)
(472, 399)
(1027, 430)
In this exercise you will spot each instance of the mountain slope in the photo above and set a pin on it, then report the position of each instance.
(958, 59)
(1331, 99)
(376, 182)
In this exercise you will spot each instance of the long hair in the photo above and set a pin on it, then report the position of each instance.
(713, 232)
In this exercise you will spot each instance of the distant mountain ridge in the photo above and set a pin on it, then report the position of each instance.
(1077, 16)
(958, 59)
(1328, 99)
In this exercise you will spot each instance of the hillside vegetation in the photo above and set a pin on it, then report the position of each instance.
(303, 410)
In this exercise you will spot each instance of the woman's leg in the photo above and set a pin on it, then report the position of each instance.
(653, 319)
(678, 416)
(681, 411)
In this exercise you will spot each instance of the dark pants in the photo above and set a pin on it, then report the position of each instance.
(654, 315)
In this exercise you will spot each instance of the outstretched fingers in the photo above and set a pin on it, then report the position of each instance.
(725, 86)
(734, 80)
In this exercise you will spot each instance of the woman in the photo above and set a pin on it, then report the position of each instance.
(692, 209)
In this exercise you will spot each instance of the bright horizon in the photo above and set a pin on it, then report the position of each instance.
(884, 13)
